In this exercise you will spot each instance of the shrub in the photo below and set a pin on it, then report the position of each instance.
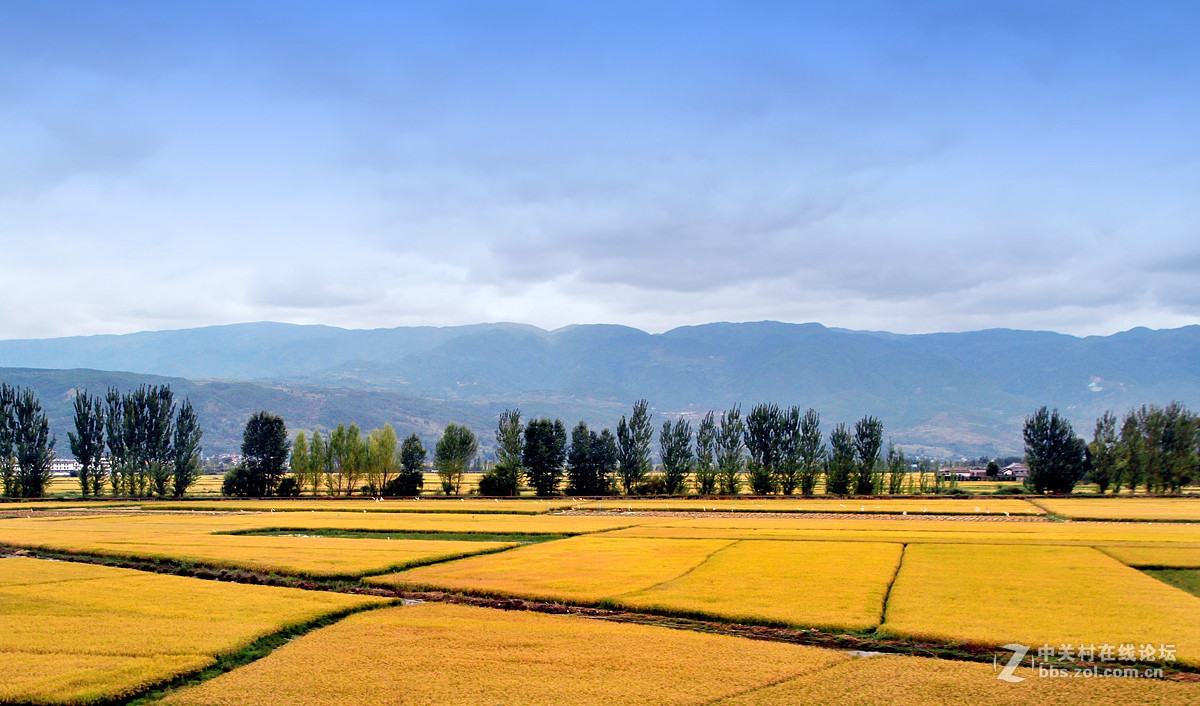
(288, 488)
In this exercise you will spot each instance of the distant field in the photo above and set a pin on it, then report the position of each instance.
(75, 633)
(1125, 508)
(196, 539)
(434, 505)
(914, 506)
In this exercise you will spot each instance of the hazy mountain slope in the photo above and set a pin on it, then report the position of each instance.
(964, 391)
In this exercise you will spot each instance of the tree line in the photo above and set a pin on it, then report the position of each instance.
(770, 450)
(1155, 448)
(26, 446)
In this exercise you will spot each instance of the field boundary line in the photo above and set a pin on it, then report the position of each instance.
(702, 562)
(768, 685)
(887, 595)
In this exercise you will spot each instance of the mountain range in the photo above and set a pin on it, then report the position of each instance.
(941, 394)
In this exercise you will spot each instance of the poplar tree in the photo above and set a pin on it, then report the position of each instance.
(185, 450)
(265, 449)
(382, 462)
(839, 471)
(87, 442)
(33, 445)
(729, 451)
(318, 462)
(790, 439)
(1102, 452)
(300, 462)
(8, 468)
(705, 475)
(633, 446)
(675, 449)
(897, 466)
(762, 433)
(811, 451)
(868, 442)
(505, 477)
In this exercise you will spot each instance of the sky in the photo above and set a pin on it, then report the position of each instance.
(905, 166)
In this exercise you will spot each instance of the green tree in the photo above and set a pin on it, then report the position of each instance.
(33, 445)
(185, 449)
(87, 442)
(868, 441)
(705, 474)
(114, 435)
(897, 469)
(591, 461)
(675, 449)
(452, 455)
(1102, 452)
(633, 446)
(301, 461)
(788, 475)
(1054, 454)
(839, 471)
(993, 469)
(811, 452)
(411, 478)
(763, 447)
(505, 477)
(383, 463)
(8, 430)
(265, 449)
(729, 451)
(1129, 456)
(544, 454)
(347, 459)
(319, 462)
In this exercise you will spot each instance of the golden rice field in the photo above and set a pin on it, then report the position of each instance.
(994, 595)
(1175, 535)
(479, 655)
(912, 506)
(1170, 557)
(917, 681)
(1125, 508)
(75, 633)
(194, 540)
(838, 585)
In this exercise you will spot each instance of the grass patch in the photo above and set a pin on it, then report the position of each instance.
(1187, 579)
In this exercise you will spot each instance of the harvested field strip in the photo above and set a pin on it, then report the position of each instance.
(490, 656)
(1125, 508)
(823, 585)
(587, 569)
(994, 595)
(77, 633)
(889, 679)
(510, 537)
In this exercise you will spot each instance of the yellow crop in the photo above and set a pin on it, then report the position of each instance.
(1172, 557)
(584, 569)
(446, 654)
(913, 506)
(835, 585)
(921, 531)
(1130, 508)
(530, 506)
(166, 537)
(77, 632)
(994, 595)
(900, 681)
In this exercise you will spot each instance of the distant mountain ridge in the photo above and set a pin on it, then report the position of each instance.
(961, 392)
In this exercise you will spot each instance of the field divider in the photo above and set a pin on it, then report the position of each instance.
(887, 595)
(702, 562)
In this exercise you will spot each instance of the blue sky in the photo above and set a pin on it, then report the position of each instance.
(908, 166)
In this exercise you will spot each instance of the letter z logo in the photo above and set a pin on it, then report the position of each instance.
(1006, 674)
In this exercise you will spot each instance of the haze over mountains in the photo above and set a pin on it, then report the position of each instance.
(949, 392)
